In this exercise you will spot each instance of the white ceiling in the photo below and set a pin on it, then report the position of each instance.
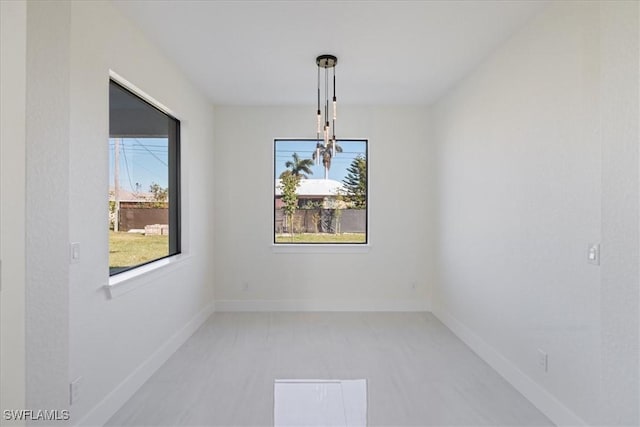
(389, 52)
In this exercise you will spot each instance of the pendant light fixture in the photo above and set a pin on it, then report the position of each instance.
(326, 127)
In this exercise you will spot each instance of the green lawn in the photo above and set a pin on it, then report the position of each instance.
(321, 238)
(129, 249)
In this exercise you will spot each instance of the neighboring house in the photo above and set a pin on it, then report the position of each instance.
(323, 191)
(129, 196)
(137, 210)
(318, 200)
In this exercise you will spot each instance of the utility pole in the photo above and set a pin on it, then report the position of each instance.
(116, 182)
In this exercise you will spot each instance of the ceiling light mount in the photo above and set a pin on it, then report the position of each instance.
(326, 61)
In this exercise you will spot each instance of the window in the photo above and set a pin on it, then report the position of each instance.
(320, 192)
(144, 181)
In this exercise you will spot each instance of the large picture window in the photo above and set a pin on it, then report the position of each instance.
(144, 181)
(320, 192)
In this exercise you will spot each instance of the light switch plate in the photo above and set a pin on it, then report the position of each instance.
(74, 252)
(593, 254)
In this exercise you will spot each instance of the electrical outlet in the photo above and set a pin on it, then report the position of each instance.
(543, 360)
(74, 390)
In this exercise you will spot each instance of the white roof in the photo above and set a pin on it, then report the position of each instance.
(128, 196)
(314, 187)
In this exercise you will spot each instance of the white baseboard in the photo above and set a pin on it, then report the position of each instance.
(104, 410)
(541, 398)
(321, 305)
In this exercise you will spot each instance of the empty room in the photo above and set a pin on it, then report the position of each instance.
(328, 213)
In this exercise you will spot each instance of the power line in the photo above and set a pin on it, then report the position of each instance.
(126, 164)
(154, 173)
(312, 151)
(142, 150)
(150, 144)
(150, 152)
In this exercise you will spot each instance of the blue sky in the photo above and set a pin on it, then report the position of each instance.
(339, 164)
(142, 161)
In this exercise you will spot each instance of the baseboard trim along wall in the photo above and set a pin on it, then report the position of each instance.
(321, 305)
(541, 398)
(104, 410)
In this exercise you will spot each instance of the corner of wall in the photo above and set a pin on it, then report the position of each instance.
(111, 403)
(47, 209)
(541, 398)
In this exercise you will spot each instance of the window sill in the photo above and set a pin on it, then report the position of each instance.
(127, 281)
(301, 248)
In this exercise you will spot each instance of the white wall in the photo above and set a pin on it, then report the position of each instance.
(537, 158)
(47, 209)
(401, 239)
(13, 52)
(619, 115)
(73, 328)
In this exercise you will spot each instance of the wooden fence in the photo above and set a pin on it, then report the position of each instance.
(323, 221)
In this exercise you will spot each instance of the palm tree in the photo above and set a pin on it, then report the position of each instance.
(326, 152)
(298, 167)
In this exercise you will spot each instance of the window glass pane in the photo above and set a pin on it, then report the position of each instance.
(320, 192)
(143, 176)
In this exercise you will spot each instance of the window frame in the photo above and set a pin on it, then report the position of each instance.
(320, 247)
(174, 182)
